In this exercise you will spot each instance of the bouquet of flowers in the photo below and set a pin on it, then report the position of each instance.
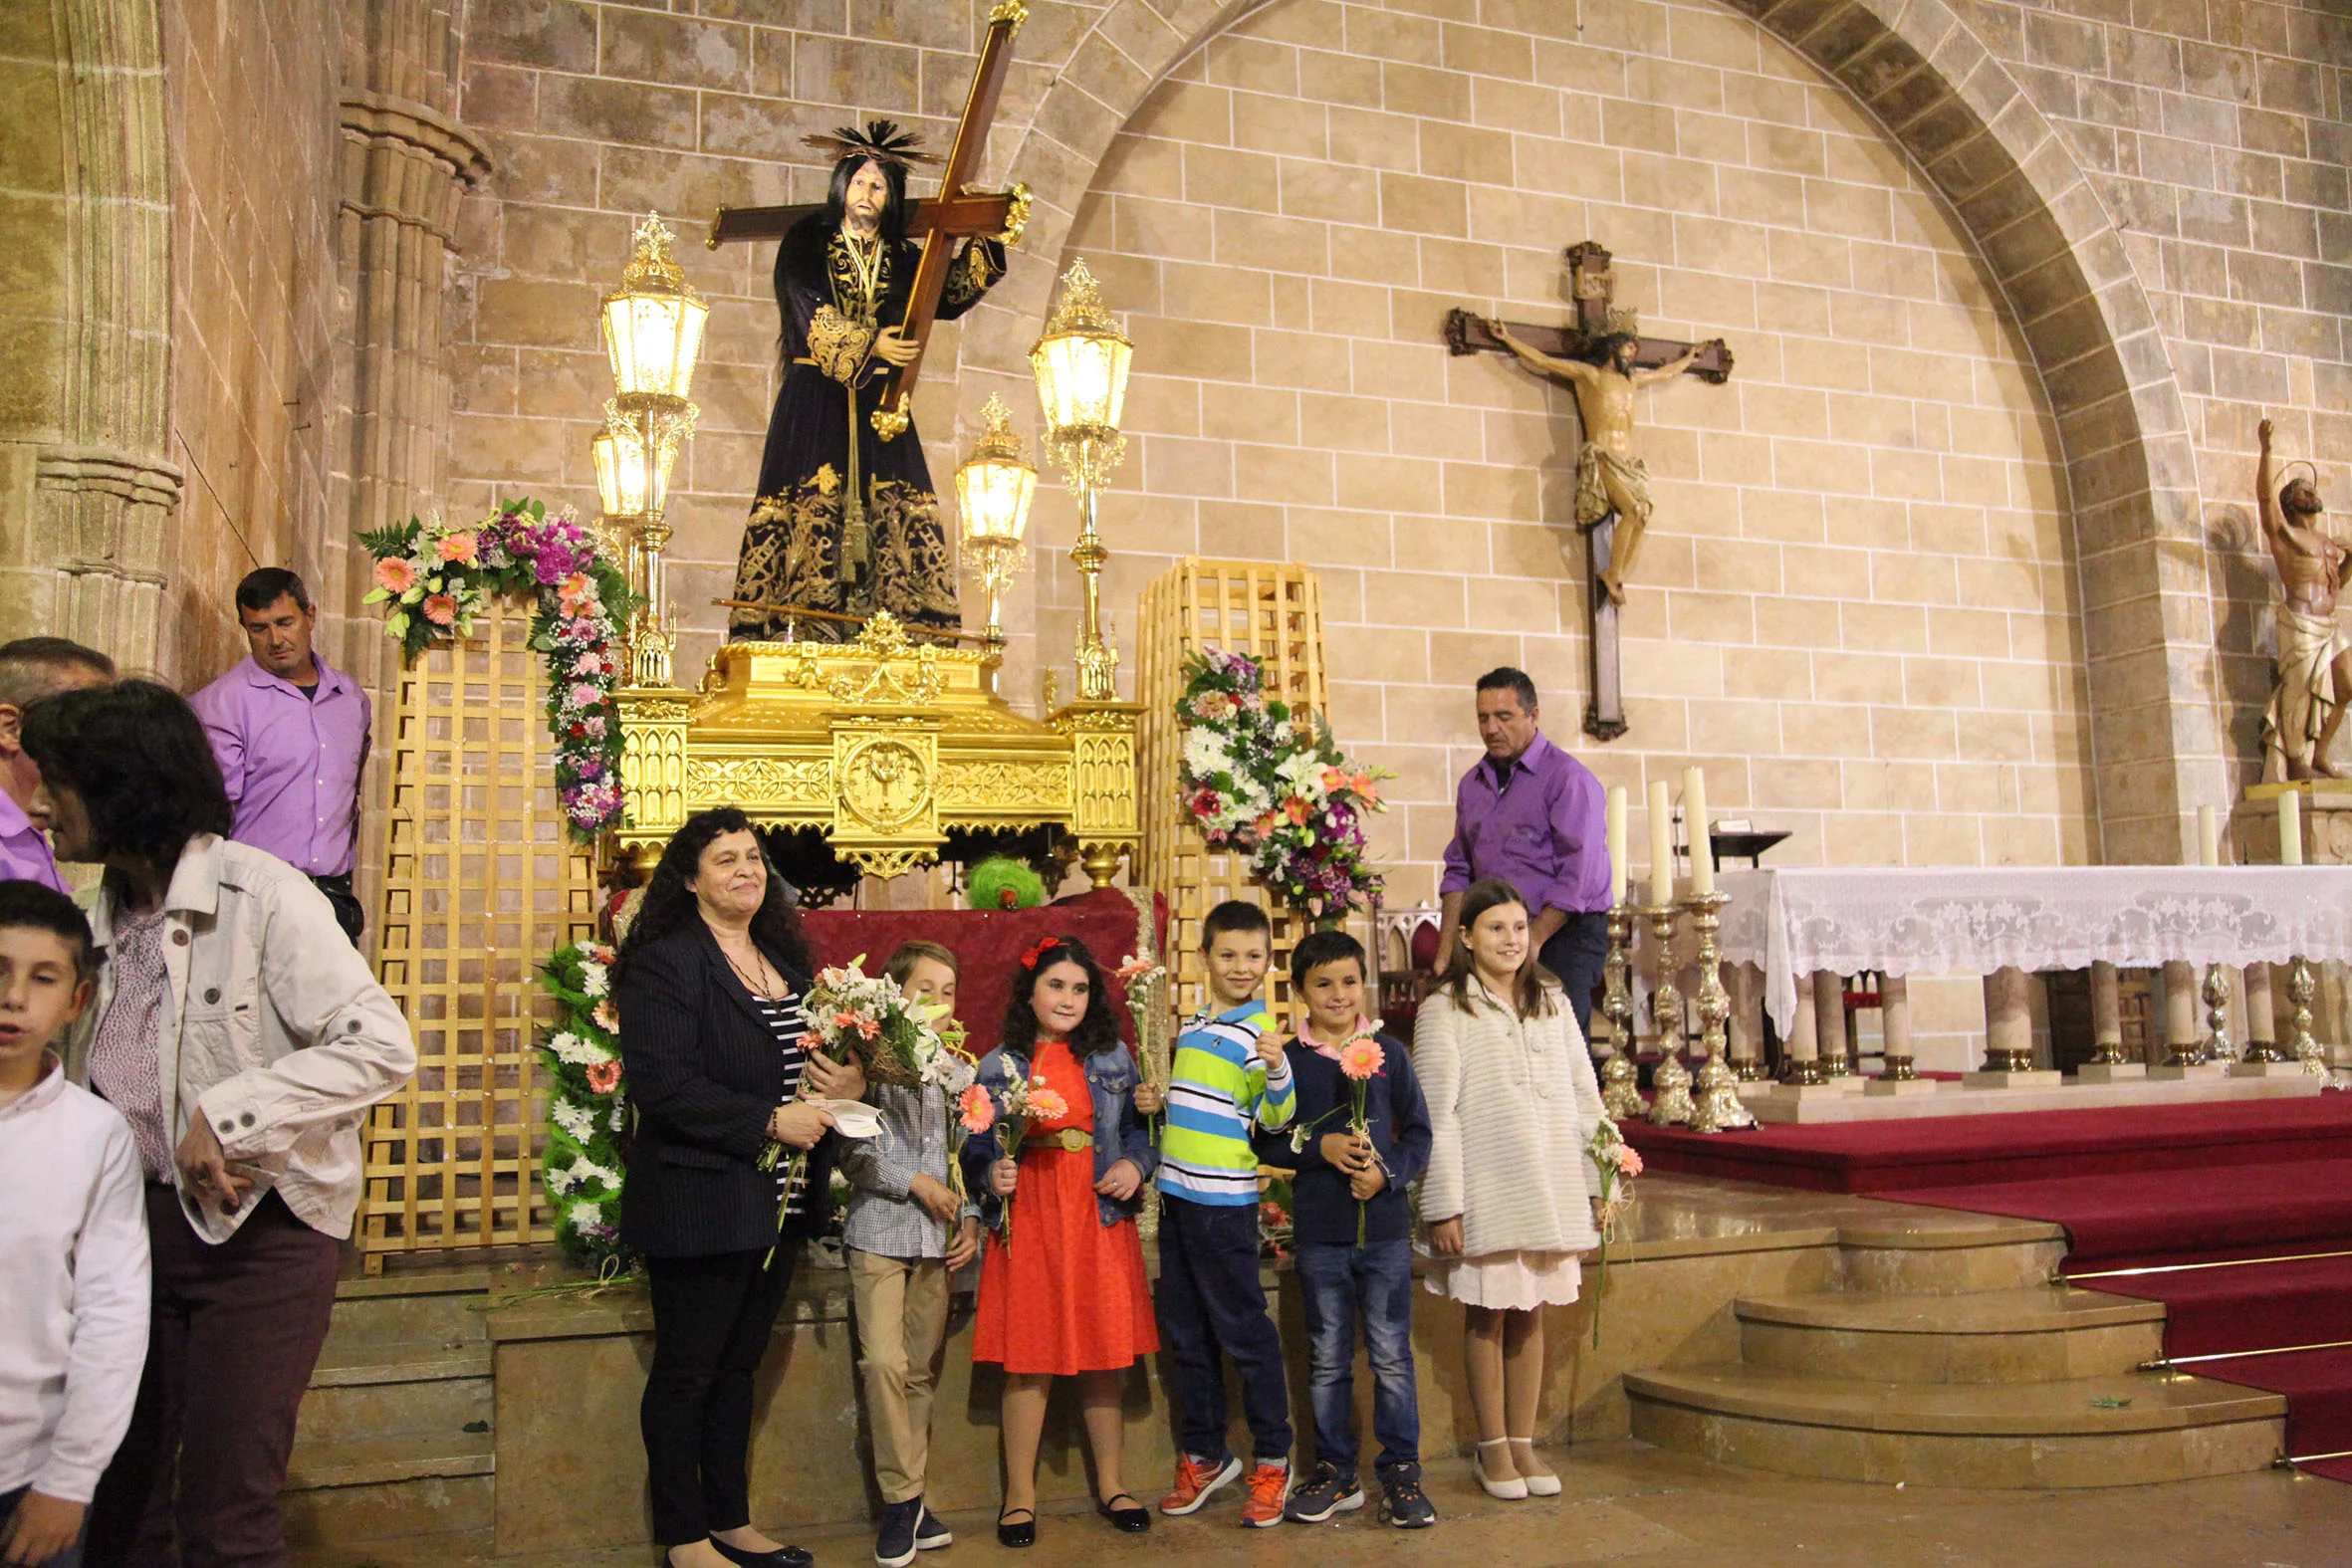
(588, 1104)
(1267, 780)
(1618, 1163)
(852, 1013)
(1010, 1111)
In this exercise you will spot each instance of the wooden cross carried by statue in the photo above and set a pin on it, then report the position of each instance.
(1605, 360)
(936, 222)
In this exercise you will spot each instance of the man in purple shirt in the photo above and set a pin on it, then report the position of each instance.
(291, 733)
(32, 668)
(1534, 816)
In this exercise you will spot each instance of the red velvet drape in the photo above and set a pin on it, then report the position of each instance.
(988, 944)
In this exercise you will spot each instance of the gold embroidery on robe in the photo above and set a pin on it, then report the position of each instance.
(838, 344)
(791, 556)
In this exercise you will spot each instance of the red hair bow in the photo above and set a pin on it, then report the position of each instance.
(1044, 946)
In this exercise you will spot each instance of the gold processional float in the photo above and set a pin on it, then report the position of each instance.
(888, 743)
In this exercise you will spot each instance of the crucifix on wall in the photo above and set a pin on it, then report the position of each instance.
(1603, 357)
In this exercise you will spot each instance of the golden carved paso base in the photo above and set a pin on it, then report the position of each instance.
(886, 744)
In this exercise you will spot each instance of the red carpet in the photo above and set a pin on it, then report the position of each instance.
(1963, 1151)
(2263, 1187)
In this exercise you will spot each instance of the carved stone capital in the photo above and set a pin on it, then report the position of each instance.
(138, 479)
(407, 161)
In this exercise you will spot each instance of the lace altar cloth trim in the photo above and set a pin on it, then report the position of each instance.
(1974, 920)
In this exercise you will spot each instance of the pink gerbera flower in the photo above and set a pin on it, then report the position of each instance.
(395, 574)
(604, 1076)
(1628, 1161)
(976, 1111)
(1360, 1058)
(1047, 1104)
(440, 609)
(460, 546)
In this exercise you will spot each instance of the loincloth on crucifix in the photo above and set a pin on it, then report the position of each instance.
(2307, 690)
(1596, 468)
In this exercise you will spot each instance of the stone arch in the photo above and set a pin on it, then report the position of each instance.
(82, 447)
(2046, 238)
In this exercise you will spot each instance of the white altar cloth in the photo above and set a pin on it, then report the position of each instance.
(1968, 920)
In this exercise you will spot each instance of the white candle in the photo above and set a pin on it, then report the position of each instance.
(1616, 840)
(1661, 846)
(1694, 812)
(2209, 837)
(2290, 828)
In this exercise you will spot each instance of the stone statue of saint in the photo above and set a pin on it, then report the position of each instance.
(2314, 658)
(845, 521)
(1610, 478)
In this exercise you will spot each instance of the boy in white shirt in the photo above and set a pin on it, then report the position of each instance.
(74, 1288)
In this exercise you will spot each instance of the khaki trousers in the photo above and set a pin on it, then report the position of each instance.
(901, 1305)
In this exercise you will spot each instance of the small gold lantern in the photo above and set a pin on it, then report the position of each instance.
(994, 488)
(654, 321)
(1080, 365)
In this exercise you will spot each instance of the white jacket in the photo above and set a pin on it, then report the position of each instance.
(274, 1030)
(1512, 1102)
(73, 1297)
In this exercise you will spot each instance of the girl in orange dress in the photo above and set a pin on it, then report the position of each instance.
(1061, 1290)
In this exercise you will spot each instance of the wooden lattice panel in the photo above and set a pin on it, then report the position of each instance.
(1272, 611)
(480, 885)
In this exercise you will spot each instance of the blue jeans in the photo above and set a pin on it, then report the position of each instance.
(1340, 1285)
(71, 1557)
(1211, 1300)
(1577, 953)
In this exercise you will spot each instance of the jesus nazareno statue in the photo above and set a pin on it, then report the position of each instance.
(845, 522)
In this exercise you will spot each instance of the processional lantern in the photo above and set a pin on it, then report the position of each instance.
(994, 488)
(1080, 365)
(652, 328)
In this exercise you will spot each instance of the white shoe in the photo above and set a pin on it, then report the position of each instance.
(1512, 1490)
(1537, 1485)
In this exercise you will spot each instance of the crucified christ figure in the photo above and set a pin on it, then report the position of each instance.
(1610, 478)
(2314, 659)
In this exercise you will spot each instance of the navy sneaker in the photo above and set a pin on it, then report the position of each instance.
(1402, 1501)
(1326, 1492)
(894, 1547)
(931, 1533)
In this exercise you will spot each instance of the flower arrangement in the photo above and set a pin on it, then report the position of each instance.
(1618, 1163)
(436, 579)
(1269, 781)
(897, 1042)
(588, 1104)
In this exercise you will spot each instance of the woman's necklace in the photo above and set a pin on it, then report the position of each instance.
(756, 982)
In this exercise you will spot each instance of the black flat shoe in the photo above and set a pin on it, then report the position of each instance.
(1133, 1518)
(782, 1557)
(1023, 1533)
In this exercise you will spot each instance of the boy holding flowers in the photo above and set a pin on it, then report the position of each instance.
(1362, 1137)
(907, 1232)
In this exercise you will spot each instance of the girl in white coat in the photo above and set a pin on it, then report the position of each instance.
(1510, 1195)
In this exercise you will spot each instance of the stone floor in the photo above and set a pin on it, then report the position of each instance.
(1634, 1506)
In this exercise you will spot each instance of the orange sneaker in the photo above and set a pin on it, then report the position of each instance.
(1195, 1479)
(1270, 1489)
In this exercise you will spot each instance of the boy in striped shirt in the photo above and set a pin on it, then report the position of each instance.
(1229, 1077)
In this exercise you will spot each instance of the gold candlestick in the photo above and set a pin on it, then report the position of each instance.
(1620, 1076)
(2301, 987)
(2216, 1044)
(1717, 1107)
(1670, 1085)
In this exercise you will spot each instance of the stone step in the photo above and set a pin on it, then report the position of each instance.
(342, 1494)
(436, 1307)
(334, 1411)
(2033, 1334)
(1980, 1253)
(2115, 1431)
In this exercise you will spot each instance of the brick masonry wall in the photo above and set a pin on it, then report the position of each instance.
(2216, 130)
(254, 191)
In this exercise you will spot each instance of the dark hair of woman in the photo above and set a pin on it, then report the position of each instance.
(836, 196)
(136, 754)
(1535, 992)
(1099, 1030)
(669, 896)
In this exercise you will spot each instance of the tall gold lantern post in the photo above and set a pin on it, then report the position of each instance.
(994, 488)
(653, 334)
(1082, 371)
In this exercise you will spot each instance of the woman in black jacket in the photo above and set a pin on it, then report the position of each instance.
(709, 979)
